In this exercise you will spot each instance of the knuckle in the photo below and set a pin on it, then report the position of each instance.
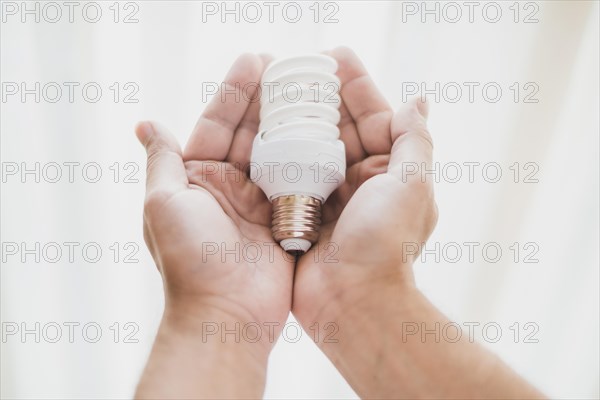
(425, 135)
(155, 151)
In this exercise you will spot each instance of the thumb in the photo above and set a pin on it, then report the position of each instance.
(412, 146)
(165, 171)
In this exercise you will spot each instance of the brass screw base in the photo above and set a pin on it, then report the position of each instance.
(296, 217)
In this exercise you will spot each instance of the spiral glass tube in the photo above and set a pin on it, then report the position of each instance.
(299, 116)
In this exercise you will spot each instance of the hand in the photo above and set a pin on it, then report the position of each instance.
(359, 276)
(377, 209)
(368, 291)
(208, 229)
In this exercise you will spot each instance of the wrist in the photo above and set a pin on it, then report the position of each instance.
(369, 338)
(218, 326)
(189, 362)
(388, 348)
(358, 300)
(374, 302)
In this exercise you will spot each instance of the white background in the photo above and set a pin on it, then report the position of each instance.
(171, 51)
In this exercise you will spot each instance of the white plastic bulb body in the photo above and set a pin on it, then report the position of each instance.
(297, 158)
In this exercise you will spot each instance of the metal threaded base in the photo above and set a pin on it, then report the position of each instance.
(296, 217)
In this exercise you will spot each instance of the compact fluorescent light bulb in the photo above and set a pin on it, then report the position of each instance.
(297, 157)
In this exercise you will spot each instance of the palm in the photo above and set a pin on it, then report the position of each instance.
(355, 212)
(369, 217)
(253, 271)
(208, 226)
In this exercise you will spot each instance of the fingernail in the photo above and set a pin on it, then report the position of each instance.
(422, 106)
(144, 130)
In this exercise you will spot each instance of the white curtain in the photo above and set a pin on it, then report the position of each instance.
(545, 51)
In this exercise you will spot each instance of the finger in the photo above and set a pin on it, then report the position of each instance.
(412, 150)
(356, 175)
(369, 109)
(213, 133)
(241, 146)
(349, 135)
(236, 194)
(165, 172)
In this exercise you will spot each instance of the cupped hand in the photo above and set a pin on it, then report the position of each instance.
(206, 225)
(383, 209)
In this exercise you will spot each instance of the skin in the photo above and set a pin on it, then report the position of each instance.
(357, 278)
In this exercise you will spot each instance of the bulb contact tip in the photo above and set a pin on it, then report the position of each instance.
(296, 222)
